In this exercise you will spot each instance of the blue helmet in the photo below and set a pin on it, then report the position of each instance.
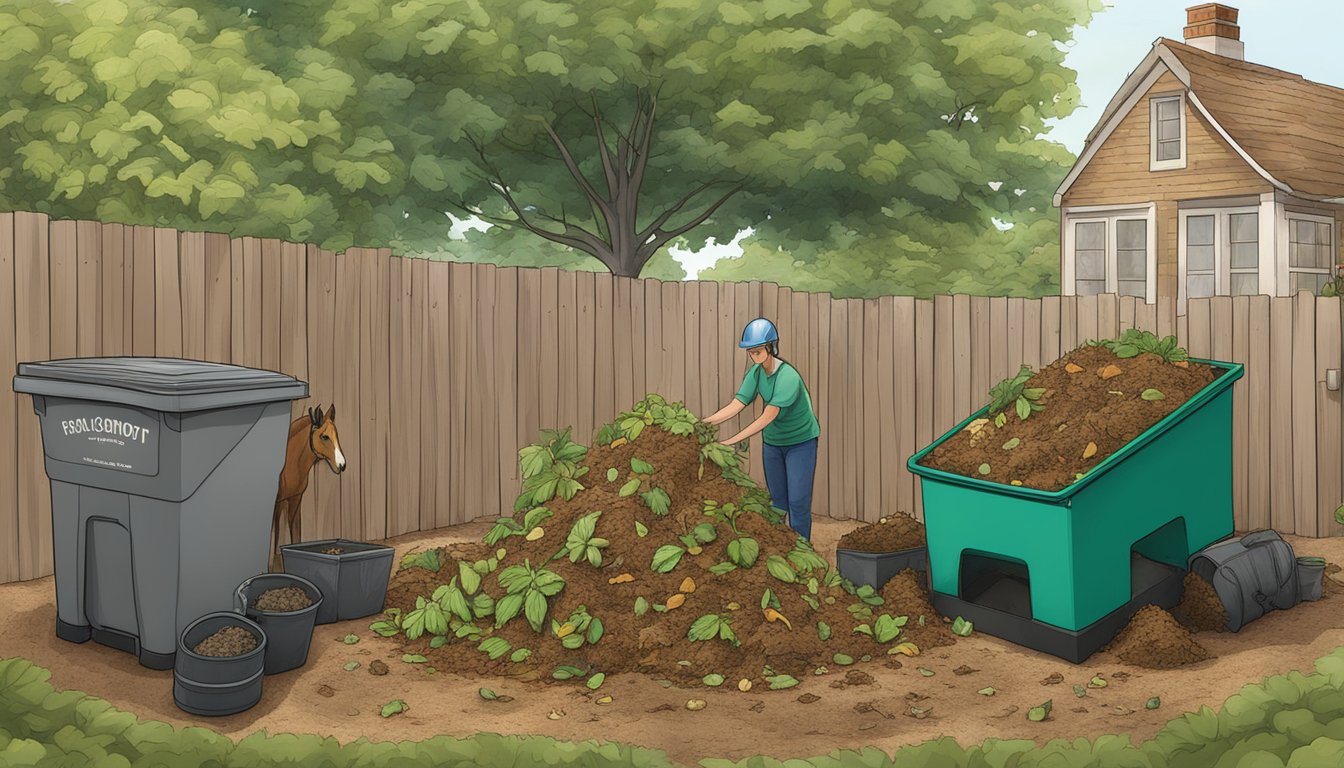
(758, 333)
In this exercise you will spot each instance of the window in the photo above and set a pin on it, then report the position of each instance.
(1220, 252)
(1310, 253)
(1109, 251)
(1166, 132)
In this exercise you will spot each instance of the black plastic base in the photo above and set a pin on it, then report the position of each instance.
(876, 569)
(73, 633)
(154, 660)
(1153, 583)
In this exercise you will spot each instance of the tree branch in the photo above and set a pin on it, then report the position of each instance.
(605, 154)
(574, 170)
(645, 141)
(672, 210)
(660, 237)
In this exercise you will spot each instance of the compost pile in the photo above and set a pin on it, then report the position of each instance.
(229, 641)
(1046, 430)
(890, 534)
(651, 551)
(333, 551)
(283, 600)
(1200, 608)
(1154, 639)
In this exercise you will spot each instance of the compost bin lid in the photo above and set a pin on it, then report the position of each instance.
(157, 383)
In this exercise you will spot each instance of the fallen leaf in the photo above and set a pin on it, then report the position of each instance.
(1154, 702)
(976, 426)
(1090, 451)
(964, 670)
(984, 469)
(772, 615)
(1152, 394)
(744, 685)
(688, 585)
(675, 601)
(351, 666)
(694, 550)
(906, 648)
(1073, 368)
(1182, 363)
(1039, 713)
(1015, 482)
(618, 442)
(624, 578)
(487, 694)
(695, 705)
(1097, 682)
(987, 691)
(351, 639)
(925, 671)
(1110, 371)
(1079, 691)
(734, 606)
(326, 690)
(1054, 679)
(808, 698)
(394, 707)
(604, 700)
(919, 713)
(555, 714)
(535, 533)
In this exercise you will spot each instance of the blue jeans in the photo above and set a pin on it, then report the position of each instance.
(789, 471)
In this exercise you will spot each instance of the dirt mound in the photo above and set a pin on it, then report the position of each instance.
(1154, 639)
(890, 534)
(1080, 410)
(651, 551)
(1200, 607)
(283, 600)
(229, 641)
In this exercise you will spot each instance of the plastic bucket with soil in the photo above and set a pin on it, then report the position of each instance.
(351, 575)
(285, 606)
(874, 553)
(1310, 576)
(219, 665)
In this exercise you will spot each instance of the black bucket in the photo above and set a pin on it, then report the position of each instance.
(214, 686)
(288, 633)
(353, 581)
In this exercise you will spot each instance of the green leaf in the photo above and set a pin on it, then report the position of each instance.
(657, 501)
(534, 608)
(1011, 444)
(641, 530)
(494, 647)
(842, 659)
(612, 474)
(630, 487)
(468, 577)
(863, 629)
(823, 630)
(704, 533)
(1153, 703)
(413, 658)
(1037, 714)
(718, 569)
(1000, 421)
(438, 641)
(533, 460)
(984, 469)
(394, 707)
(1152, 394)
(986, 691)
(666, 558)
(780, 682)
(487, 694)
(925, 671)
(595, 630)
(744, 550)
(962, 627)
(641, 467)
(707, 627)
(596, 681)
(885, 629)
(641, 606)
(780, 569)
(769, 600)
(520, 655)
(350, 639)
(713, 680)
(535, 517)
(384, 628)
(566, 672)
(1023, 408)
(351, 666)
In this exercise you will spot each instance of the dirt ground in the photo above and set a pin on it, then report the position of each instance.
(323, 698)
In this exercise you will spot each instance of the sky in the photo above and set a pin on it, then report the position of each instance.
(1300, 36)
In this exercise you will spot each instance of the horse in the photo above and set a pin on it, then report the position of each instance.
(312, 438)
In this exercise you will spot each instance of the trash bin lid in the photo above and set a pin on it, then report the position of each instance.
(157, 383)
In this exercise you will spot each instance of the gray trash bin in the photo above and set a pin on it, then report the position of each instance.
(163, 479)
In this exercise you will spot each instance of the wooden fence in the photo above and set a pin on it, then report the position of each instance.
(440, 371)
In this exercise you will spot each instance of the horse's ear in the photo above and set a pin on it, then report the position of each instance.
(315, 415)
(331, 412)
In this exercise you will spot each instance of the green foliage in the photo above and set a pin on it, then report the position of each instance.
(429, 560)
(550, 468)
(1134, 342)
(743, 551)
(711, 626)
(1015, 392)
(657, 501)
(526, 590)
(666, 558)
(582, 544)
(580, 627)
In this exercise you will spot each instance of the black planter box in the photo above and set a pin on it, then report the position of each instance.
(353, 583)
(877, 568)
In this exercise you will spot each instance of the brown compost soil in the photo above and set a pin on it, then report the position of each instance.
(657, 642)
(1080, 408)
(283, 600)
(890, 534)
(1154, 639)
(229, 641)
(1200, 609)
(333, 551)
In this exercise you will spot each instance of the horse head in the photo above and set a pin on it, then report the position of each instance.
(324, 440)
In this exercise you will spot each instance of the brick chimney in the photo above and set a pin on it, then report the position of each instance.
(1213, 27)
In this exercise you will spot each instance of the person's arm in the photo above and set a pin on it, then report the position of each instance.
(761, 422)
(725, 413)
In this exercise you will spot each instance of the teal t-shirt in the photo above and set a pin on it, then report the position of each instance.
(784, 389)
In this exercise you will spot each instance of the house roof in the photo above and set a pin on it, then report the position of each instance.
(1288, 128)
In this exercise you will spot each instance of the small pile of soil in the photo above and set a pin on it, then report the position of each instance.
(333, 551)
(229, 641)
(283, 600)
(1089, 414)
(890, 534)
(1200, 606)
(1154, 639)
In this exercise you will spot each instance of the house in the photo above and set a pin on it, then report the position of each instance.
(1207, 175)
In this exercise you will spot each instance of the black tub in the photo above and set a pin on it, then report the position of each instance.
(288, 633)
(877, 568)
(353, 583)
(214, 686)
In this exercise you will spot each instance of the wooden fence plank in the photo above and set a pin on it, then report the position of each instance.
(925, 386)
(346, 368)
(1016, 339)
(1282, 496)
(530, 318)
(1089, 328)
(1128, 311)
(1145, 317)
(483, 431)
(272, 298)
(167, 294)
(238, 303)
(713, 392)
(944, 394)
(687, 363)
(819, 314)
(998, 340)
(846, 325)
(961, 359)
(637, 345)
(463, 492)
(981, 356)
(191, 264)
(587, 416)
(89, 246)
(888, 476)
(422, 376)
(1071, 318)
(32, 314)
(218, 305)
(871, 429)
(1108, 316)
(1241, 350)
(438, 338)
(403, 428)
(566, 375)
(506, 384)
(1259, 391)
(653, 348)
(905, 358)
(294, 314)
(1031, 333)
(142, 297)
(113, 276)
(64, 277)
(1198, 333)
(1166, 316)
(323, 510)
(673, 329)
(11, 509)
(1304, 421)
(1328, 456)
(548, 338)
(623, 342)
(1051, 319)
(253, 282)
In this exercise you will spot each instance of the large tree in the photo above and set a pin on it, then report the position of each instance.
(608, 129)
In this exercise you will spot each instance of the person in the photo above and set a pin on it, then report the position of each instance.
(788, 427)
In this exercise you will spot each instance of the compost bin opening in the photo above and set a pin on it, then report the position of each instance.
(1002, 583)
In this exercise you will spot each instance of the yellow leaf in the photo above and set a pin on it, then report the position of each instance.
(624, 578)
(733, 606)
(535, 533)
(1182, 364)
(1073, 368)
(694, 550)
(618, 442)
(772, 615)
(1014, 482)
(1090, 451)
(1110, 371)
(675, 601)
(744, 685)
(604, 700)
(688, 585)
(907, 648)
(565, 630)
(695, 704)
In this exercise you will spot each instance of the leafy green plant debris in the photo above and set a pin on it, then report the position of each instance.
(780, 682)
(962, 627)
(842, 659)
(710, 626)
(393, 707)
(350, 639)
(596, 681)
(351, 666)
(1152, 394)
(1015, 392)
(1134, 342)
(550, 468)
(1038, 713)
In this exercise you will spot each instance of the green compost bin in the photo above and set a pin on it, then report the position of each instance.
(1162, 497)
